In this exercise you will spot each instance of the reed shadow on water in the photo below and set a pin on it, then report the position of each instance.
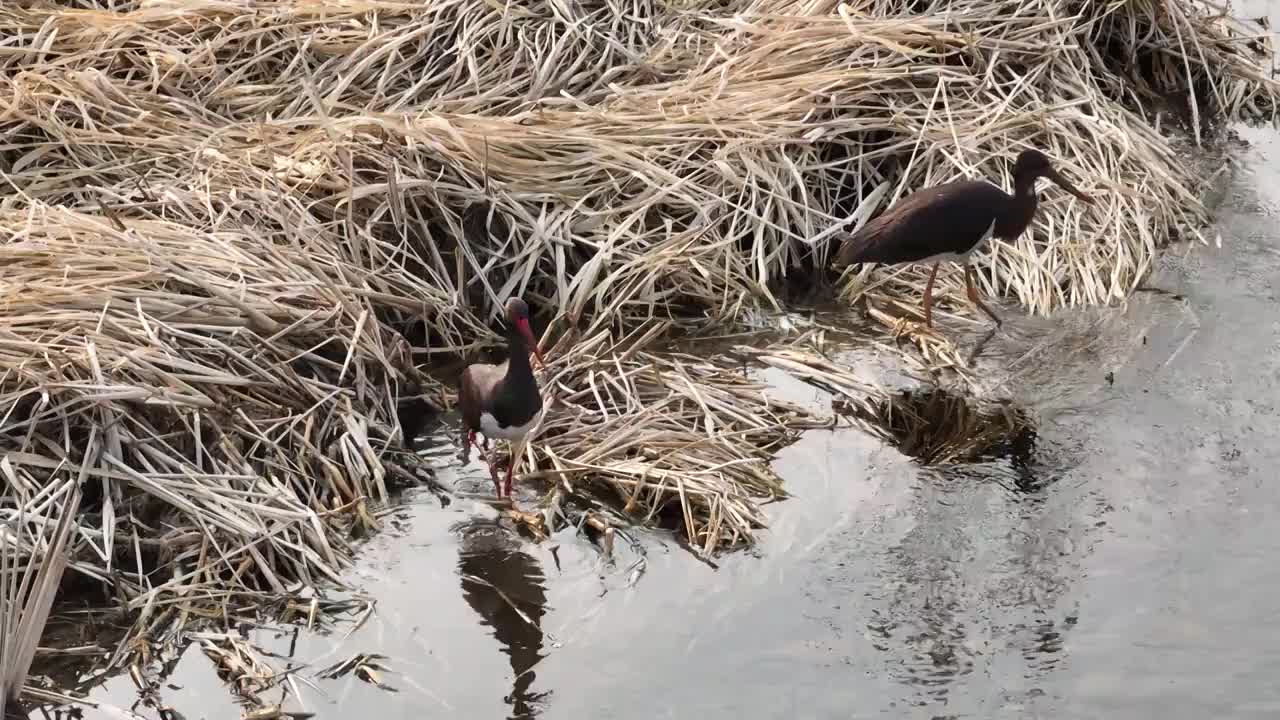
(953, 432)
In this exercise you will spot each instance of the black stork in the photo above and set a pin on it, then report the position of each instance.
(503, 401)
(949, 222)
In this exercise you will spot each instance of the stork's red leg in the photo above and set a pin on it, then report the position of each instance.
(493, 474)
(928, 297)
(973, 294)
(517, 452)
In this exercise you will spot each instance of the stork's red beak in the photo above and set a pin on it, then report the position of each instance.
(523, 324)
(1055, 176)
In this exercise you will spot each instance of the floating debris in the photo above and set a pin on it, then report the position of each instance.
(366, 666)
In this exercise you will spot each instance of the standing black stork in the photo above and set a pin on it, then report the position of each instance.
(503, 401)
(949, 222)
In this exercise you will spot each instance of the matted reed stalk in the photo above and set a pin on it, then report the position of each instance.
(667, 431)
(224, 225)
(36, 523)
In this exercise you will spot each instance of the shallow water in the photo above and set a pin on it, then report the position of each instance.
(1123, 566)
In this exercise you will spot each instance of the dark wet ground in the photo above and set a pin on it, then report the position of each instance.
(1121, 561)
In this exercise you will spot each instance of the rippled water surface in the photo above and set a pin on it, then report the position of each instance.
(1117, 560)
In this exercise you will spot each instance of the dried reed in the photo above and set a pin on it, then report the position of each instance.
(33, 545)
(222, 220)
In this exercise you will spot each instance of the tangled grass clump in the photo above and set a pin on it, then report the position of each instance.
(237, 235)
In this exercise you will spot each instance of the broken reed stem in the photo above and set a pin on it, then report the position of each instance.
(34, 535)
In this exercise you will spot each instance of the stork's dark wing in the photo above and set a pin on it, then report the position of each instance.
(945, 218)
(479, 382)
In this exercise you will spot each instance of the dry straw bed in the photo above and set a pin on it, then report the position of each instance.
(236, 234)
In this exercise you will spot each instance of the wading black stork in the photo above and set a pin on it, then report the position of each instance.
(949, 222)
(503, 401)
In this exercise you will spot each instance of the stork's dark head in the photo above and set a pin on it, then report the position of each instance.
(517, 310)
(518, 316)
(1032, 164)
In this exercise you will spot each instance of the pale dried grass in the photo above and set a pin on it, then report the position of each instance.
(221, 216)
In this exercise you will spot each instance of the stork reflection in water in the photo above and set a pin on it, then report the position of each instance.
(505, 587)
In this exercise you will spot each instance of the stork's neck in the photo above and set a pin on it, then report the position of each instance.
(1024, 199)
(1020, 208)
(1024, 187)
(517, 354)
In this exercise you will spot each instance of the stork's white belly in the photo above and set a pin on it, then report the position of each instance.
(490, 429)
(945, 257)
